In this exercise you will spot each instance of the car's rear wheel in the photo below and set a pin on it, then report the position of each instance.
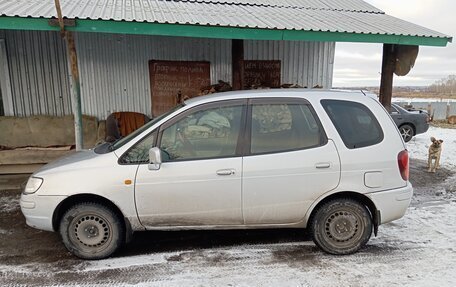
(341, 226)
(407, 132)
(91, 230)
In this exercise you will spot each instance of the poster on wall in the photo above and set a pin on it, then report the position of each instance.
(261, 74)
(173, 81)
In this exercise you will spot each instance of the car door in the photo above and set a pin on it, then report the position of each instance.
(199, 181)
(289, 162)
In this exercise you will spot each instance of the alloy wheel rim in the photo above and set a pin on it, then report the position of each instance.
(406, 133)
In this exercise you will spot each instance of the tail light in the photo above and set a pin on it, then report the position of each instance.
(403, 162)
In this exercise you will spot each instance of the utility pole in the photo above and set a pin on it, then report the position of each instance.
(76, 94)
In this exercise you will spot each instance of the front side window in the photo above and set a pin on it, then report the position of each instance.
(355, 123)
(283, 127)
(207, 133)
(139, 153)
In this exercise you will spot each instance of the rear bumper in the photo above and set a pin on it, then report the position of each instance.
(392, 204)
(421, 129)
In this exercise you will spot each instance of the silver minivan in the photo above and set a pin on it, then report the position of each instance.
(329, 161)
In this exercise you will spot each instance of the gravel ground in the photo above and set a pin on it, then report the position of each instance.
(417, 250)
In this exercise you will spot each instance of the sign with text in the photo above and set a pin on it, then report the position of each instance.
(172, 81)
(261, 73)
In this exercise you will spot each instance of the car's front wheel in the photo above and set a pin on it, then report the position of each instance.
(91, 230)
(341, 226)
(407, 132)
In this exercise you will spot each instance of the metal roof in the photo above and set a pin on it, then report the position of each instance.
(340, 16)
(110, 9)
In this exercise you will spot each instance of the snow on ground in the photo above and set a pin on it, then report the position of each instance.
(417, 250)
(8, 204)
(419, 145)
(422, 100)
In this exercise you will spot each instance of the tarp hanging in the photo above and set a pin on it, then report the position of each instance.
(405, 59)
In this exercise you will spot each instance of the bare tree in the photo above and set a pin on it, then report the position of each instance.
(446, 85)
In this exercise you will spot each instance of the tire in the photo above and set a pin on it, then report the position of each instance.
(407, 132)
(341, 226)
(91, 231)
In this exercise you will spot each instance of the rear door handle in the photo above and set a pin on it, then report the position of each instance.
(323, 165)
(226, 171)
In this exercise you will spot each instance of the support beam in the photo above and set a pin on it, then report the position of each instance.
(386, 82)
(76, 94)
(75, 84)
(5, 82)
(237, 54)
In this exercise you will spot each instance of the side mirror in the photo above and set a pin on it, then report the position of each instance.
(155, 159)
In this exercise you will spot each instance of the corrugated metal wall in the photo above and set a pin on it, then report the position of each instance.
(115, 74)
(38, 72)
(305, 63)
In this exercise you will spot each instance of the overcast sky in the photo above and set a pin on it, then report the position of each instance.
(359, 64)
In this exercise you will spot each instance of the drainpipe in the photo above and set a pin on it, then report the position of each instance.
(76, 94)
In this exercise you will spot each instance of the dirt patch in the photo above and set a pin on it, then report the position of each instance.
(443, 124)
(420, 177)
(431, 188)
(209, 258)
(296, 255)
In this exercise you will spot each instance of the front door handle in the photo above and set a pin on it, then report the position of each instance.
(323, 165)
(226, 171)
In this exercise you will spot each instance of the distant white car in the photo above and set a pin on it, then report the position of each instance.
(330, 161)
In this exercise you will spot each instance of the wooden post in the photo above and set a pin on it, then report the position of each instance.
(76, 86)
(386, 82)
(76, 95)
(237, 63)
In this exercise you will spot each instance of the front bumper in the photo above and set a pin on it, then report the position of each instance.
(39, 210)
(392, 204)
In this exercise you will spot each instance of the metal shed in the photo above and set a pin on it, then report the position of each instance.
(116, 39)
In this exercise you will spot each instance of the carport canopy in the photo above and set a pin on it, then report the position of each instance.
(298, 20)
(305, 20)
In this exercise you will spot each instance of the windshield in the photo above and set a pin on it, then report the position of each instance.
(117, 144)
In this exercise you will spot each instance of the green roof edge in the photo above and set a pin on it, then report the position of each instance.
(221, 32)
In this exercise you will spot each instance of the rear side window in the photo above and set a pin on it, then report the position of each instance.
(283, 127)
(356, 124)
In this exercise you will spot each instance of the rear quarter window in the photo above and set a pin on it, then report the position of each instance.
(355, 123)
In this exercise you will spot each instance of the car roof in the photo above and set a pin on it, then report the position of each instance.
(261, 93)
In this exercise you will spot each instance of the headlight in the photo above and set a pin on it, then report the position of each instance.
(33, 184)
